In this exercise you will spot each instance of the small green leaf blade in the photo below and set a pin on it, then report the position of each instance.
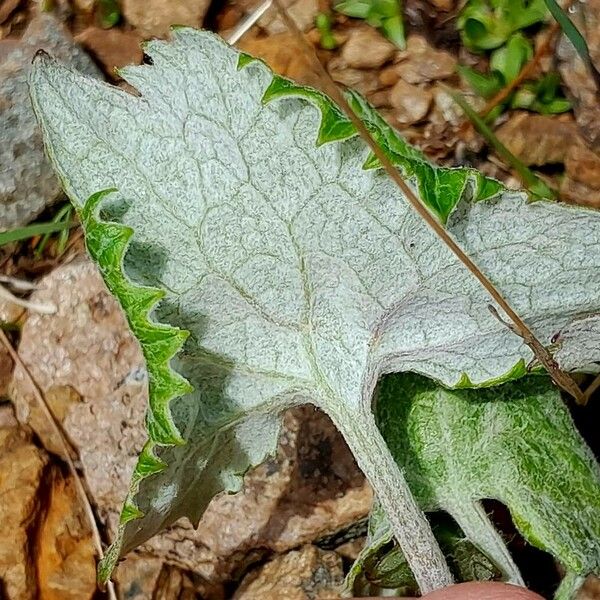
(28, 231)
(484, 85)
(574, 36)
(511, 58)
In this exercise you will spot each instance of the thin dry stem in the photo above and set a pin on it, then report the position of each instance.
(39, 307)
(591, 389)
(562, 379)
(527, 71)
(67, 451)
(243, 26)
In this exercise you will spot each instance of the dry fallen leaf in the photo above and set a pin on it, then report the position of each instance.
(283, 54)
(65, 559)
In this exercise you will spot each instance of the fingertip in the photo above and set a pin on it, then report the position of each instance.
(483, 591)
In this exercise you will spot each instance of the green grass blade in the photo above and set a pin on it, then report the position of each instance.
(63, 215)
(63, 236)
(23, 233)
(574, 36)
(529, 178)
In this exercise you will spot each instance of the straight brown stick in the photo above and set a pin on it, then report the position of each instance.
(519, 327)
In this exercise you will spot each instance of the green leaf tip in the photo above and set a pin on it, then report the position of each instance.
(245, 59)
(518, 371)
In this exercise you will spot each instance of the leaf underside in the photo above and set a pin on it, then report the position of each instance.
(514, 443)
(296, 266)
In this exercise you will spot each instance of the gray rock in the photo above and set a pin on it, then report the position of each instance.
(27, 182)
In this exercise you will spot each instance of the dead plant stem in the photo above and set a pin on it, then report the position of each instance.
(526, 72)
(562, 379)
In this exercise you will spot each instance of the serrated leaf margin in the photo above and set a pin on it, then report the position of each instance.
(107, 243)
(336, 126)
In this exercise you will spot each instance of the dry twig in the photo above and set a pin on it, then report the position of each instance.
(526, 72)
(591, 389)
(562, 379)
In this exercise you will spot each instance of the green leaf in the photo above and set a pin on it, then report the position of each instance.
(528, 13)
(384, 14)
(393, 29)
(484, 85)
(557, 106)
(24, 233)
(505, 65)
(480, 32)
(515, 443)
(359, 9)
(485, 25)
(511, 58)
(300, 275)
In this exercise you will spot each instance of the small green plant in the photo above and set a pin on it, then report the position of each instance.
(108, 13)
(386, 15)
(488, 24)
(543, 96)
(323, 24)
(255, 283)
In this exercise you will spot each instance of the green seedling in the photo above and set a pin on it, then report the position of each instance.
(386, 15)
(543, 96)
(323, 24)
(488, 24)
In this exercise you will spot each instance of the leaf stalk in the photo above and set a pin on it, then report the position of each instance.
(408, 522)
